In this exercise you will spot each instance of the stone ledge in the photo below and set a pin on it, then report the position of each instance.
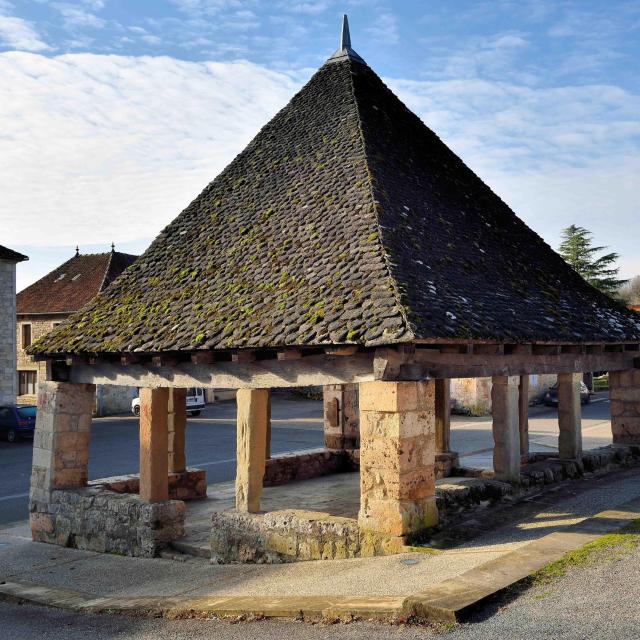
(292, 534)
(310, 464)
(186, 485)
(95, 519)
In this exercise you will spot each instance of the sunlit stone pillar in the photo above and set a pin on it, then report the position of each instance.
(569, 416)
(177, 428)
(506, 429)
(624, 391)
(154, 445)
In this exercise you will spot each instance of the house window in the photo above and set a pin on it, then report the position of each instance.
(27, 383)
(26, 335)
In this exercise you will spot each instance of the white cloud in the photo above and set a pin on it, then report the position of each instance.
(99, 148)
(75, 16)
(20, 34)
(385, 29)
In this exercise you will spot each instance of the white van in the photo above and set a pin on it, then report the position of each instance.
(195, 402)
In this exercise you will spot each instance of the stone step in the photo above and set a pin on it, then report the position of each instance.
(195, 548)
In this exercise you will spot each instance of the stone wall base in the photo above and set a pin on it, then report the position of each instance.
(95, 519)
(446, 463)
(288, 535)
(187, 485)
(311, 464)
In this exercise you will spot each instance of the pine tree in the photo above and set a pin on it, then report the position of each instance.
(600, 271)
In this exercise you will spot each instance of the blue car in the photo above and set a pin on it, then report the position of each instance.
(17, 422)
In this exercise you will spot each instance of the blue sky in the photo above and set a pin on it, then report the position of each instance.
(117, 113)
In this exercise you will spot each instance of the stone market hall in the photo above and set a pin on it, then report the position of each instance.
(346, 246)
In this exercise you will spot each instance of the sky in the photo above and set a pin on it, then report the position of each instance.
(115, 114)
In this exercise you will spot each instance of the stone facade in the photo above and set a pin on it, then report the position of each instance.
(8, 379)
(624, 391)
(110, 399)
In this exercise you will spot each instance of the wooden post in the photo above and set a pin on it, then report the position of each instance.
(523, 406)
(340, 405)
(154, 457)
(569, 416)
(252, 423)
(177, 428)
(397, 457)
(443, 416)
(506, 432)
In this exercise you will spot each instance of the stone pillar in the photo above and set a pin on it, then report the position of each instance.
(569, 416)
(252, 422)
(8, 373)
(506, 430)
(60, 444)
(177, 429)
(397, 456)
(154, 445)
(446, 459)
(523, 413)
(624, 391)
(268, 444)
(340, 403)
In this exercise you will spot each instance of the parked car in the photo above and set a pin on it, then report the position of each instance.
(195, 402)
(18, 421)
(551, 396)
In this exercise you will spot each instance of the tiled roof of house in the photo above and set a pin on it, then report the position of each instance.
(345, 220)
(73, 284)
(11, 255)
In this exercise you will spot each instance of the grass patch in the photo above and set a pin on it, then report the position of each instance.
(611, 546)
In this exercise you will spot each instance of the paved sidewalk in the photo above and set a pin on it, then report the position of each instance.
(385, 581)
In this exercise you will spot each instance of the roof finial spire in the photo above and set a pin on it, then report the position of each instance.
(113, 247)
(77, 251)
(345, 52)
(345, 38)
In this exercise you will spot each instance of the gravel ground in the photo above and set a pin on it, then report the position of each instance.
(595, 601)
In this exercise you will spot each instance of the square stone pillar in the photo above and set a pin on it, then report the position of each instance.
(624, 391)
(177, 429)
(523, 411)
(154, 445)
(61, 442)
(506, 428)
(340, 403)
(252, 424)
(397, 456)
(569, 416)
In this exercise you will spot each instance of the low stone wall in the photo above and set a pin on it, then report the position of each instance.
(188, 485)
(288, 535)
(95, 519)
(311, 464)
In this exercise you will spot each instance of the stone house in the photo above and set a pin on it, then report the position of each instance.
(346, 245)
(43, 305)
(8, 380)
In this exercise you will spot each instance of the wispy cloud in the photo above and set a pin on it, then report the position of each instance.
(80, 15)
(20, 34)
(385, 29)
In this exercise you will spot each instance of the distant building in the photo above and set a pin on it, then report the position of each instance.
(8, 381)
(46, 303)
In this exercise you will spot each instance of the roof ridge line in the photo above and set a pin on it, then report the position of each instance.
(106, 273)
(375, 202)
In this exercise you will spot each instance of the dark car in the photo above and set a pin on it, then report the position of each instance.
(17, 422)
(551, 397)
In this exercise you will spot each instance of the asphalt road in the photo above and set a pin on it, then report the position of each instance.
(211, 445)
(296, 425)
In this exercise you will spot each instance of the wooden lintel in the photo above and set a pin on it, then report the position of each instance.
(518, 349)
(289, 354)
(595, 348)
(346, 350)
(614, 348)
(318, 369)
(632, 347)
(202, 357)
(74, 360)
(572, 348)
(246, 355)
(129, 358)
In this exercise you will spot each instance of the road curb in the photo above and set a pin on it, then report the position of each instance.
(448, 601)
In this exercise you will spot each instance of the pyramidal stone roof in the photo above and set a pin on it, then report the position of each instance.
(345, 220)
